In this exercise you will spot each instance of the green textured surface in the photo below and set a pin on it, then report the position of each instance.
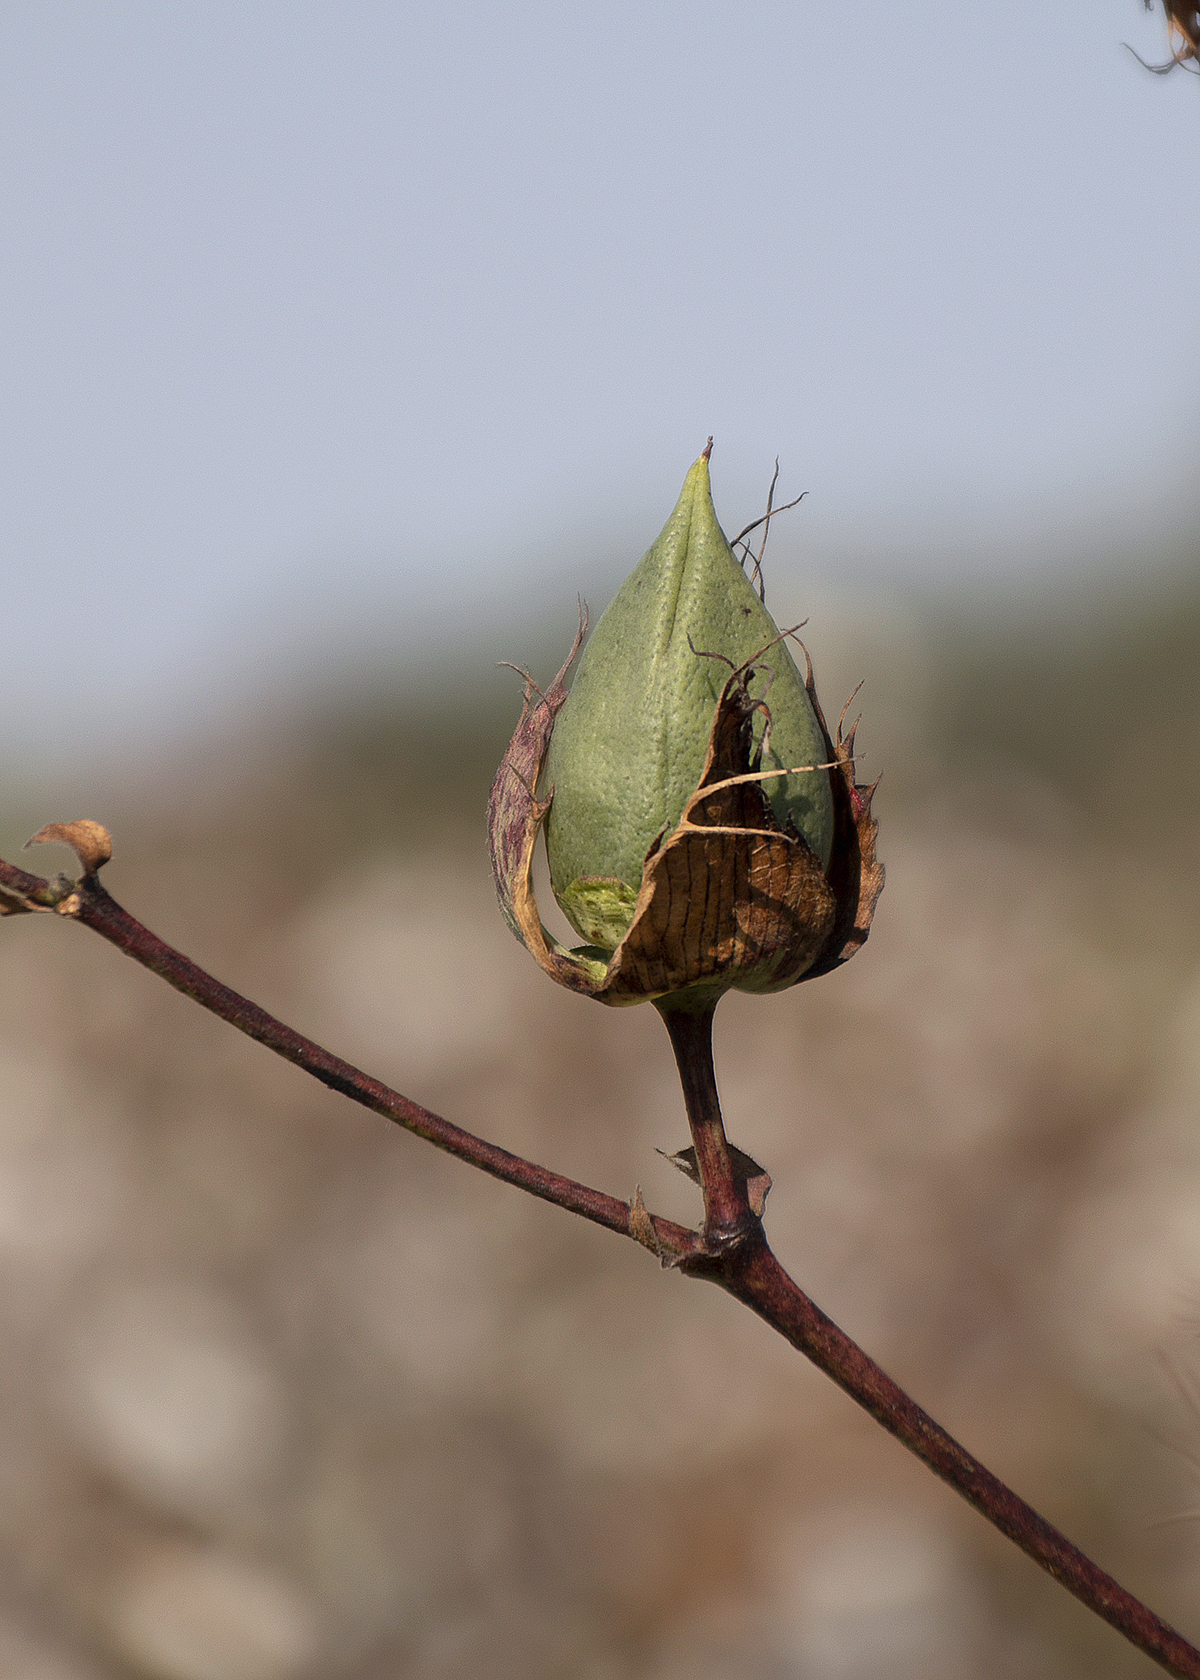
(600, 909)
(629, 744)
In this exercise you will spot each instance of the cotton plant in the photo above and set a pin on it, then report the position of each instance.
(705, 832)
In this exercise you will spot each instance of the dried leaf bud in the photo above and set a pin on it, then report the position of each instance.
(703, 830)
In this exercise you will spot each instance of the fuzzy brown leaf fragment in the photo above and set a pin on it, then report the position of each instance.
(90, 841)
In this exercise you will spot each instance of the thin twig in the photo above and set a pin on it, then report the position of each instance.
(731, 1251)
(756, 1278)
(736, 1255)
(90, 904)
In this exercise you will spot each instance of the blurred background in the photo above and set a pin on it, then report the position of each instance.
(343, 348)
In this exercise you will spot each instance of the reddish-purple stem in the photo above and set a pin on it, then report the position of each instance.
(731, 1250)
(727, 1215)
(92, 905)
(761, 1282)
(736, 1255)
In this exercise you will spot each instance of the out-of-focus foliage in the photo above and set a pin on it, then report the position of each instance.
(288, 1394)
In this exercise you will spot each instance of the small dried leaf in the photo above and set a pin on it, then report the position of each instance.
(90, 841)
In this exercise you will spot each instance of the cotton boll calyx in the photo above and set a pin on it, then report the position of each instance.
(703, 829)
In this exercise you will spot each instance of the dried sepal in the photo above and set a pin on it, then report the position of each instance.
(516, 815)
(855, 873)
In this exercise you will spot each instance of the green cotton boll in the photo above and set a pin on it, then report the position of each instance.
(629, 744)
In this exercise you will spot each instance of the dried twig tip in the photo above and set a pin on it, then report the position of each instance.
(90, 841)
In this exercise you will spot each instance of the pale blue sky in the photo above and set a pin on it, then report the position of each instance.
(328, 324)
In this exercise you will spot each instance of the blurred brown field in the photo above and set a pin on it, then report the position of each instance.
(288, 1394)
